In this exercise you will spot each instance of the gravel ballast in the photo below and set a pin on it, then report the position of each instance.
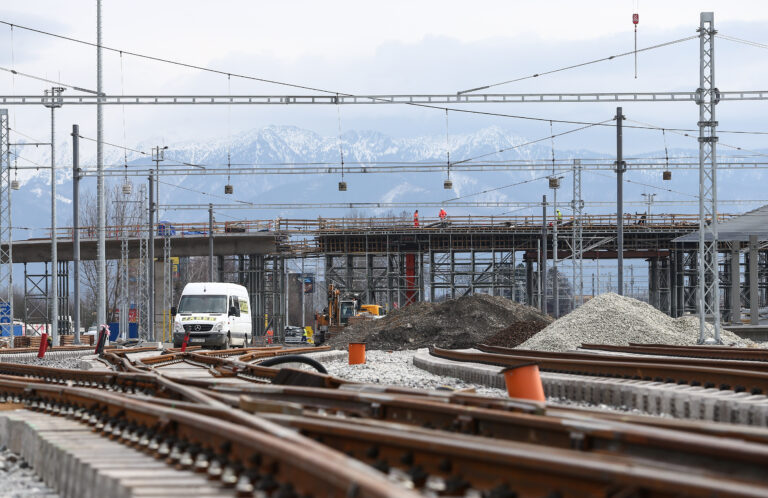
(613, 319)
(453, 324)
(18, 479)
(396, 368)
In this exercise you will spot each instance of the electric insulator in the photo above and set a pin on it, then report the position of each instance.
(228, 189)
(448, 184)
(127, 188)
(666, 175)
(554, 182)
(15, 185)
(342, 186)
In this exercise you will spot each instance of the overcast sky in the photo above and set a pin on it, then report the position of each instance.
(383, 47)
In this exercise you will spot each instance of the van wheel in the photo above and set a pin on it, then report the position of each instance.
(227, 343)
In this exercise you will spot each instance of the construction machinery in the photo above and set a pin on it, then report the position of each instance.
(341, 307)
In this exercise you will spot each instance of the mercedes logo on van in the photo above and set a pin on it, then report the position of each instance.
(197, 327)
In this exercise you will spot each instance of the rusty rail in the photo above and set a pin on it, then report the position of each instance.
(723, 378)
(754, 366)
(724, 353)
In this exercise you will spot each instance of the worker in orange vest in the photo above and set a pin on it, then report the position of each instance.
(416, 218)
(270, 335)
(442, 214)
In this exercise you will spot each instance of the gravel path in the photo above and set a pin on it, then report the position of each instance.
(67, 363)
(396, 368)
(18, 480)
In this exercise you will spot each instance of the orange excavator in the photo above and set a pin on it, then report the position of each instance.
(336, 316)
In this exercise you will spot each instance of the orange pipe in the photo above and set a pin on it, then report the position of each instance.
(356, 353)
(523, 381)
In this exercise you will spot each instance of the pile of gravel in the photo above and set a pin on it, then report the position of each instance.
(18, 480)
(613, 319)
(454, 324)
(396, 368)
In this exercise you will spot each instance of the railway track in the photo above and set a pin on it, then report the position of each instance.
(714, 352)
(651, 369)
(281, 432)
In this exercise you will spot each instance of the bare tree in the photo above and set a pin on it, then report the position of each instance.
(123, 212)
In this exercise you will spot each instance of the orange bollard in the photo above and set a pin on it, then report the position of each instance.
(43, 345)
(356, 353)
(523, 381)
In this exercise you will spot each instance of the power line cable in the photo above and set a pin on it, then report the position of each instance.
(46, 80)
(230, 74)
(742, 41)
(497, 188)
(582, 64)
(531, 142)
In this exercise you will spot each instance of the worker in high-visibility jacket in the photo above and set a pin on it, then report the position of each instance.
(270, 336)
(416, 218)
(442, 215)
(559, 217)
(308, 335)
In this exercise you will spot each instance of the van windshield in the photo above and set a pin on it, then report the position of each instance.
(203, 304)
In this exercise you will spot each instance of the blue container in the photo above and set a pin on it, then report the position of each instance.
(165, 228)
(114, 330)
(17, 330)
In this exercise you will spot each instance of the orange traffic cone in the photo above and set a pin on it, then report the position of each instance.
(356, 353)
(523, 381)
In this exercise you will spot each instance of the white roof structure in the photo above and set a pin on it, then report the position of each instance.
(738, 228)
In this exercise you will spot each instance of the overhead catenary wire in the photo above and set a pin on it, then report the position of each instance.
(486, 191)
(311, 88)
(531, 142)
(47, 80)
(581, 64)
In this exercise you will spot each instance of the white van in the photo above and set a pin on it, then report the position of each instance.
(215, 315)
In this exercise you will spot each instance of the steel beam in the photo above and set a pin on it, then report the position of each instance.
(424, 99)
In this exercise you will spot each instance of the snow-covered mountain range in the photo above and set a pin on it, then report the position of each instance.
(291, 145)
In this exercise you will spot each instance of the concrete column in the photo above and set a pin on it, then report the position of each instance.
(673, 284)
(735, 303)
(653, 282)
(529, 282)
(754, 296)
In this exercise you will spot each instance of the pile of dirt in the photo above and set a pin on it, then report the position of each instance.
(517, 333)
(460, 323)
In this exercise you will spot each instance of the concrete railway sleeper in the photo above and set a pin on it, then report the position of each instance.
(721, 378)
(270, 460)
(250, 453)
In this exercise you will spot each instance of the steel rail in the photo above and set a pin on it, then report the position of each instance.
(753, 366)
(266, 459)
(747, 355)
(504, 468)
(722, 378)
(601, 436)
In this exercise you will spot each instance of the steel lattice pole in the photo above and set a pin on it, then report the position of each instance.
(708, 272)
(101, 255)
